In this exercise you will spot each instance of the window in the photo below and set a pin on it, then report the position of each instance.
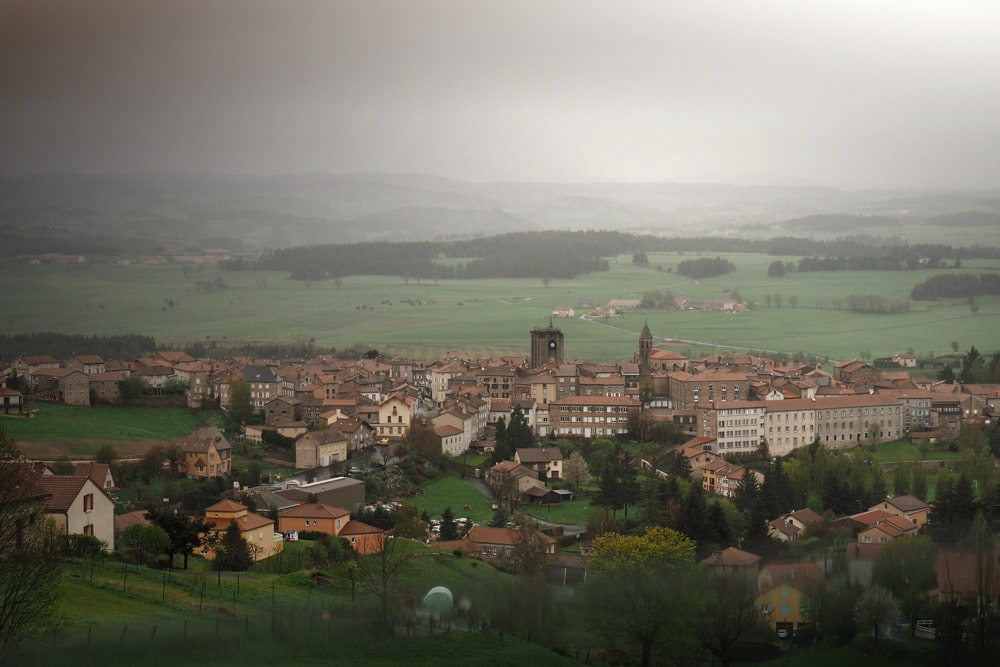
(784, 610)
(88, 529)
(88, 503)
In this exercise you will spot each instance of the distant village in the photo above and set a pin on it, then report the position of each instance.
(726, 406)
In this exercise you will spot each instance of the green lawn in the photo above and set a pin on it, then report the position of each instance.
(62, 423)
(574, 512)
(900, 450)
(492, 317)
(456, 493)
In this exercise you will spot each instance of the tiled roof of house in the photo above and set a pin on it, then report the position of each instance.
(732, 557)
(354, 527)
(907, 503)
(539, 454)
(226, 505)
(316, 511)
(62, 490)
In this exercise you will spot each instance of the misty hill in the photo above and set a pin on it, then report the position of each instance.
(152, 213)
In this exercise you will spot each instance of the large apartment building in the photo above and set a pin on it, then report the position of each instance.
(838, 421)
(592, 416)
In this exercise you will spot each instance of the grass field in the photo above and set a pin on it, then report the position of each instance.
(65, 423)
(492, 317)
(900, 450)
(157, 618)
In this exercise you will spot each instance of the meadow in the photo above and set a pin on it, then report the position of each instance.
(53, 422)
(424, 320)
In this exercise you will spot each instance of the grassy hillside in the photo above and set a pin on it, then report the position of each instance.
(490, 317)
(155, 618)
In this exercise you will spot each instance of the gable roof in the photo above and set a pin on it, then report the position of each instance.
(62, 490)
(539, 454)
(731, 557)
(316, 511)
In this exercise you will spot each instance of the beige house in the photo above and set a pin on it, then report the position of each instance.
(320, 448)
(545, 461)
(79, 507)
(911, 508)
(258, 531)
(394, 414)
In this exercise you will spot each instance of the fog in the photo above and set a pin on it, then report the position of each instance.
(845, 93)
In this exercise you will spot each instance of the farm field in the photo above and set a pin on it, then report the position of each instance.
(492, 317)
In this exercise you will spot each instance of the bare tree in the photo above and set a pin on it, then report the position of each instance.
(379, 573)
(733, 616)
(29, 573)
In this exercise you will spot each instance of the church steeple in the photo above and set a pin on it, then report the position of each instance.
(645, 348)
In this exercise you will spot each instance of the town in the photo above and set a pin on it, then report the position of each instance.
(715, 449)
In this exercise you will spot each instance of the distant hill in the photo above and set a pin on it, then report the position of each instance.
(151, 213)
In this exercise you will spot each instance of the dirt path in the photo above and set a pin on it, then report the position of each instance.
(39, 450)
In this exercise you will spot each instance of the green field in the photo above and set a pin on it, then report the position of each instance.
(491, 317)
(156, 618)
(65, 423)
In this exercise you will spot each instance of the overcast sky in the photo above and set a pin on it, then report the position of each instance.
(864, 93)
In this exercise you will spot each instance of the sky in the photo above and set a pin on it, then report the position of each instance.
(861, 94)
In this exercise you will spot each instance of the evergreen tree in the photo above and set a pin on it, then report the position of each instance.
(233, 552)
(619, 485)
(240, 407)
(777, 491)
(952, 513)
(449, 529)
(502, 450)
(519, 433)
(680, 466)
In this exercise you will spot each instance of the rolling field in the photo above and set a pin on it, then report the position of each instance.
(493, 317)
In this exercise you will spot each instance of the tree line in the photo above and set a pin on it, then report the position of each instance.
(956, 285)
(705, 267)
(60, 345)
(565, 254)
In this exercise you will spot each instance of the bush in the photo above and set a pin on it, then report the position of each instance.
(84, 546)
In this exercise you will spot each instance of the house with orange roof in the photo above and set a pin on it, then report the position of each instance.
(723, 478)
(699, 452)
(79, 507)
(207, 453)
(258, 531)
(496, 543)
(790, 527)
(63, 385)
(784, 590)
(363, 538)
(394, 414)
(315, 517)
(87, 363)
(733, 562)
(99, 472)
(909, 507)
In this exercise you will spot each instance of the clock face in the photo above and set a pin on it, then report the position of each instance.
(552, 344)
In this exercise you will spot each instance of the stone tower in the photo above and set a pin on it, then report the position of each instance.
(546, 345)
(645, 349)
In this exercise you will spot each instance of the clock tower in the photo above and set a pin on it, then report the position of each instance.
(546, 346)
